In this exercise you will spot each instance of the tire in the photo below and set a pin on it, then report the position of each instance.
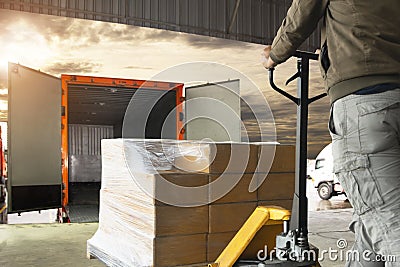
(325, 191)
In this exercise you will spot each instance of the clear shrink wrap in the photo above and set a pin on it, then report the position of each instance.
(136, 228)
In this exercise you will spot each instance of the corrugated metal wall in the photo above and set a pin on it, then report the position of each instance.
(257, 20)
(85, 151)
(86, 139)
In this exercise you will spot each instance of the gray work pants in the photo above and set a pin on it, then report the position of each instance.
(365, 132)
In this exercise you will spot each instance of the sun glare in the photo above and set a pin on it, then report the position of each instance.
(21, 43)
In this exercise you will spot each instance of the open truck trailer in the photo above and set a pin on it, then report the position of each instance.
(56, 124)
(55, 128)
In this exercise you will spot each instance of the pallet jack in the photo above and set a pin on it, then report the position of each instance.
(292, 246)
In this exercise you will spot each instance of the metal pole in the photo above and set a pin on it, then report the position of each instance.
(301, 143)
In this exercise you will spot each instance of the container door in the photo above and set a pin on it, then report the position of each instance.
(34, 140)
(213, 111)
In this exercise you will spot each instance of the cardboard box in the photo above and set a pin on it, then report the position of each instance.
(229, 217)
(233, 158)
(171, 187)
(180, 250)
(252, 157)
(286, 204)
(283, 160)
(171, 220)
(277, 186)
(238, 158)
(240, 191)
(216, 242)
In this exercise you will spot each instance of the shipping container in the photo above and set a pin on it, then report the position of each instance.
(73, 113)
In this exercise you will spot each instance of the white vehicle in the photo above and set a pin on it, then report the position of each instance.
(323, 177)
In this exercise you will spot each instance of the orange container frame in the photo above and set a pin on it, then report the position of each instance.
(68, 80)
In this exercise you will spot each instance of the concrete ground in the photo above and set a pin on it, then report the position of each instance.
(328, 227)
(53, 244)
(45, 245)
(328, 231)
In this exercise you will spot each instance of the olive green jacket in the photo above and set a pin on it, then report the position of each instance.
(360, 44)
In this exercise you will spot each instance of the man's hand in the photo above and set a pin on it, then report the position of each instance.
(267, 61)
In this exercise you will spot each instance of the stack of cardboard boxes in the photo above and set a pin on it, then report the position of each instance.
(276, 188)
(136, 228)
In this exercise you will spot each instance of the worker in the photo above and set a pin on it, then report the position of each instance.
(360, 64)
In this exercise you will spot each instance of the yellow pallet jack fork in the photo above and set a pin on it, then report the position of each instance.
(261, 216)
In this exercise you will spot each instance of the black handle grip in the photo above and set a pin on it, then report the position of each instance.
(303, 56)
(276, 88)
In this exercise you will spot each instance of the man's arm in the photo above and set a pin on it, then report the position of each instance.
(301, 20)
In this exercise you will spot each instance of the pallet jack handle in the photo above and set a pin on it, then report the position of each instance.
(298, 230)
(293, 241)
(303, 57)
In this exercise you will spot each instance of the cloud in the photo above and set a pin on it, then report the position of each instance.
(119, 32)
(155, 35)
(72, 67)
(48, 26)
(79, 32)
(138, 68)
(285, 117)
(3, 84)
(85, 33)
(8, 16)
(205, 42)
(76, 33)
(3, 79)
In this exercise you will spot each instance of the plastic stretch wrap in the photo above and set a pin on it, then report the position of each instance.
(123, 232)
(153, 155)
(127, 227)
(134, 228)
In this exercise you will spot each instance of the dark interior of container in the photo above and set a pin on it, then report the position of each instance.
(98, 112)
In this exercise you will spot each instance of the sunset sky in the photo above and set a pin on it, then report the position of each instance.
(59, 45)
